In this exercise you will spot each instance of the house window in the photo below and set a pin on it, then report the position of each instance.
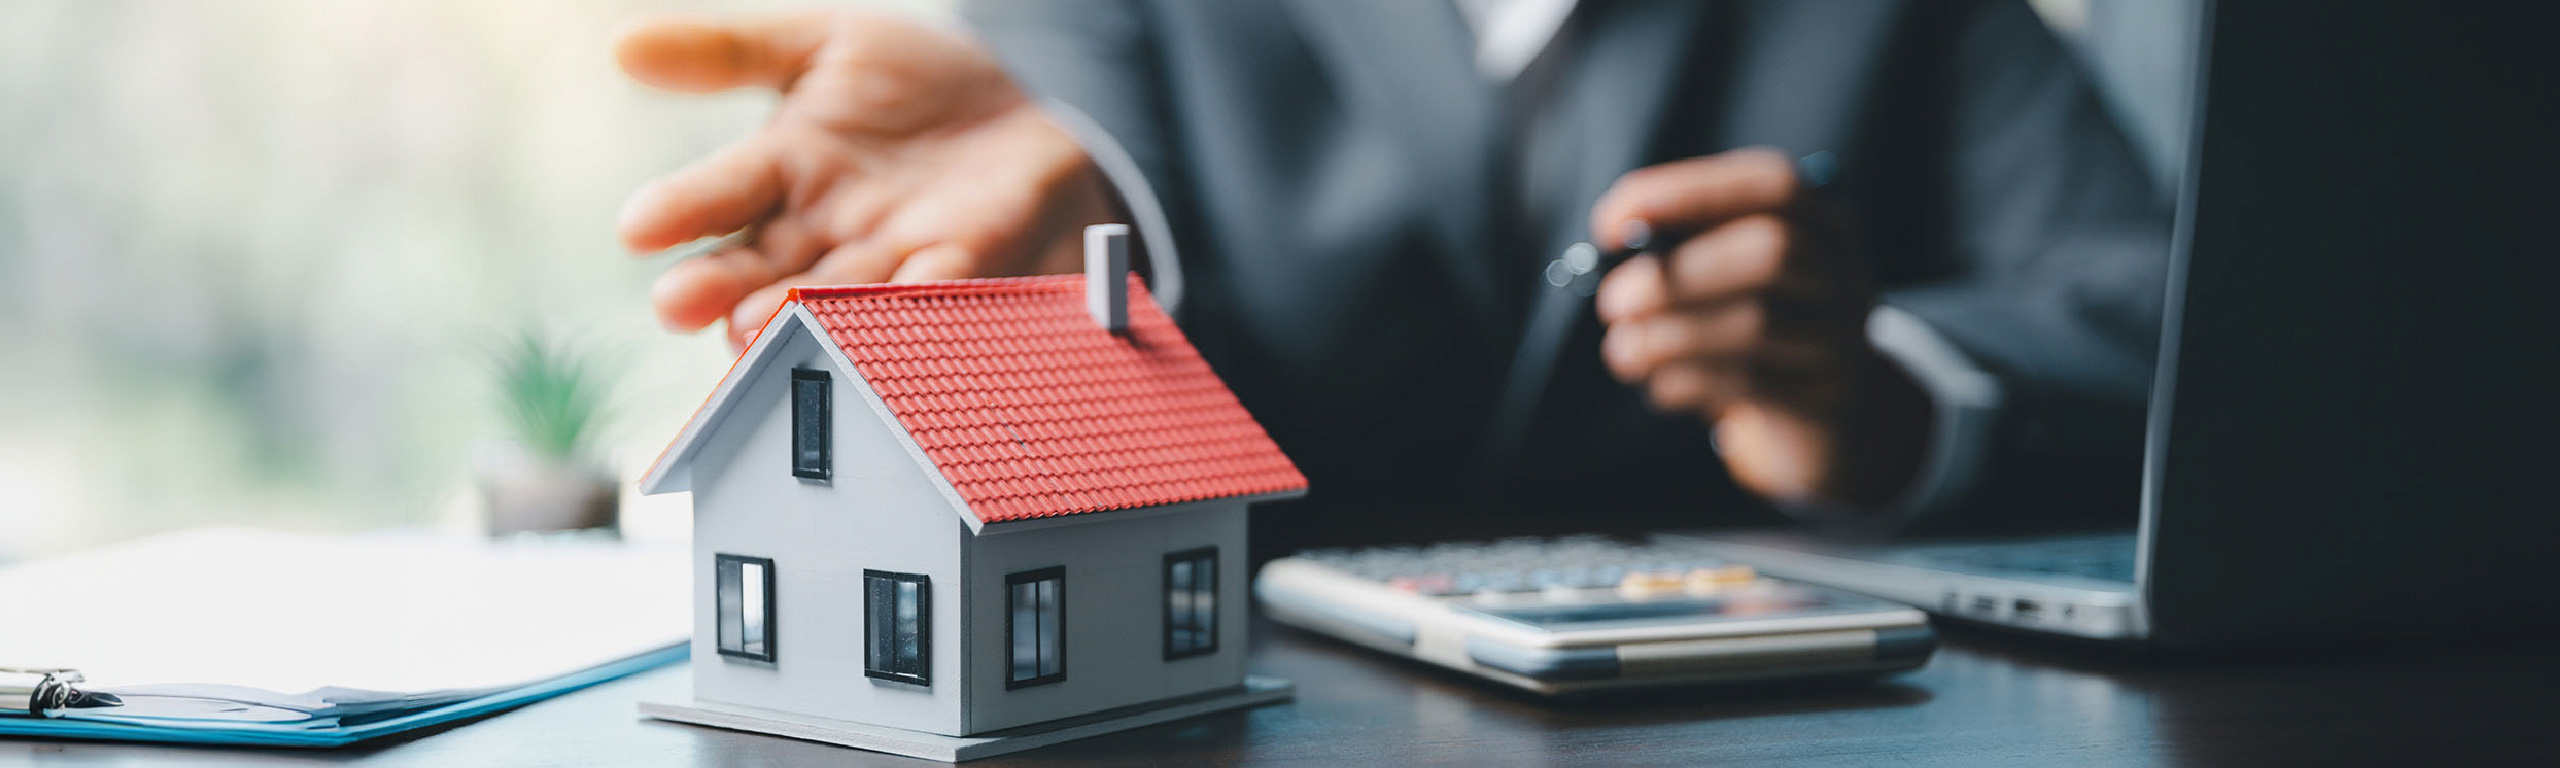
(1035, 627)
(809, 444)
(1191, 603)
(897, 640)
(744, 589)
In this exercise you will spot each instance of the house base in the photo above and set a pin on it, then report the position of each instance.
(1256, 691)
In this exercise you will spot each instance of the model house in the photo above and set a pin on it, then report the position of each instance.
(959, 507)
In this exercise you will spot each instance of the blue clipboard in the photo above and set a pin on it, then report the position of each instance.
(304, 735)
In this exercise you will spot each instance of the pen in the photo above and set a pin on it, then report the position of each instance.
(1814, 172)
(1572, 278)
(1639, 239)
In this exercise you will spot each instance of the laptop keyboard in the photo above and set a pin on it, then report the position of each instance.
(2106, 558)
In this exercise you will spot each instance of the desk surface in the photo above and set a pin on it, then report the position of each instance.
(1985, 700)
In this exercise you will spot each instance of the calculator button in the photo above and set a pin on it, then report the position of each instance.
(1504, 582)
(1642, 583)
(1547, 577)
(1430, 584)
(1720, 577)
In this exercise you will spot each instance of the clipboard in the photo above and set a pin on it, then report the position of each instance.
(248, 637)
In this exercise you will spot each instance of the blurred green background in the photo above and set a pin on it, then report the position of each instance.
(255, 255)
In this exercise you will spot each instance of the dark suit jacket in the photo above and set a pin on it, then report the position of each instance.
(1346, 198)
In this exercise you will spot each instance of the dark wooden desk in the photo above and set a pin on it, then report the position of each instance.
(1985, 700)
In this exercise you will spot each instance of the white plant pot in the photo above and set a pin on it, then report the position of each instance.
(524, 493)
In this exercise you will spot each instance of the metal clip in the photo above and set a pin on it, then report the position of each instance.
(37, 691)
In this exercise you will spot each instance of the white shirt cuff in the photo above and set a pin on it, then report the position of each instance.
(1147, 212)
(1963, 398)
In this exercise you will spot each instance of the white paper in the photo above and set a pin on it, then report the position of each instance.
(291, 613)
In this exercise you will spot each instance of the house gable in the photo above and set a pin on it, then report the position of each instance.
(879, 510)
(674, 469)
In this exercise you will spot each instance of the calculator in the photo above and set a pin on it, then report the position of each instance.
(1590, 613)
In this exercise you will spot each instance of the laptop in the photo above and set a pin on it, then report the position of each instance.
(2350, 432)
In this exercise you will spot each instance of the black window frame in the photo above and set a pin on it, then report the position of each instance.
(824, 465)
(1199, 554)
(1057, 573)
(721, 566)
(871, 653)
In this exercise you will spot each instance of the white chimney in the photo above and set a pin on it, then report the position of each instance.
(1106, 274)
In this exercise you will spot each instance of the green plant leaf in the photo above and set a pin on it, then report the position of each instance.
(553, 396)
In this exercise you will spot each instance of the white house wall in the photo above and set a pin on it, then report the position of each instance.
(1114, 613)
(880, 511)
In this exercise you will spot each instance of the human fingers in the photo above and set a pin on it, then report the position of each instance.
(1741, 257)
(1744, 257)
(1636, 348)
(793, 242)
(1637, 287)
(940, 261)
(1771, 453)
(1694, 387)
(695, 292)
(854, 263)
(1765, 339)
(748, 316)
(1695, 193)
(702, 56)
(726, 191)
(999, 236)
(886, 78)
(1023, 218)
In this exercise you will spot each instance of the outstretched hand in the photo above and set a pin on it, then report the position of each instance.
(1757, 323)
(897, 152)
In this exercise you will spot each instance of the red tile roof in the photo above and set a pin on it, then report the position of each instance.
(1031, 409)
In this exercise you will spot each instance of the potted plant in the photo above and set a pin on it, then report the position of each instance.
(546, 477)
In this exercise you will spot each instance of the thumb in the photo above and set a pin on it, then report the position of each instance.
(696, 56)
(1771, 454)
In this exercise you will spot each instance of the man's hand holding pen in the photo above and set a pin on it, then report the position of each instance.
(1756, 321)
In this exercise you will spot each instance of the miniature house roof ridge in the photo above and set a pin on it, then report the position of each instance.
(979, 286)
(1022, 404)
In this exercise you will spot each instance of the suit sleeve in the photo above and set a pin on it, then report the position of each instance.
(2061, 246)
(1093, 64)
